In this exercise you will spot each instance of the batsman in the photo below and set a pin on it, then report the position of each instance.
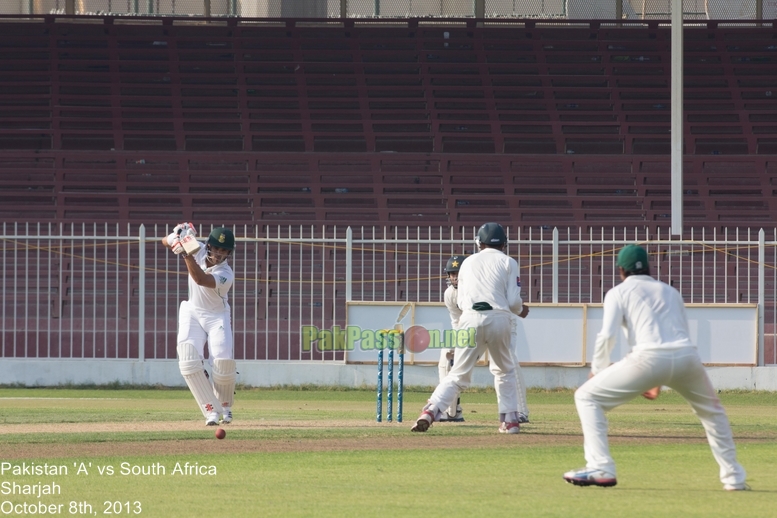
(445, 364)
(205, 317)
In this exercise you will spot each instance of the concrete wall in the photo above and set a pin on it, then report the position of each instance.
(266, 374)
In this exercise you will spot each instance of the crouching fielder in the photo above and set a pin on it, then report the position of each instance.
(662, 353)
(205, 317)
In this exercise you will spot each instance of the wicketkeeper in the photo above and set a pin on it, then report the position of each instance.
(455, 413)
(205, 317)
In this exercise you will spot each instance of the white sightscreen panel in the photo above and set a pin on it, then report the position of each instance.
(551, 335)
(564, 345)
(383, 315)
(724, 334)
(593, 326)
(374, 317)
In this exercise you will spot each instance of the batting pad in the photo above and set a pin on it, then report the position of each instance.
(514, 341)
(224, 377)
(193, 373)
(445, 364)
(522, 405)
(443, 368)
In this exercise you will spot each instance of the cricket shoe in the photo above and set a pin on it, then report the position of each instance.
(212, 419)
(458, 417)
(511, 428)
(590, 477)
(423, 422)
(523, 418)
(226, 416)
(737, 487)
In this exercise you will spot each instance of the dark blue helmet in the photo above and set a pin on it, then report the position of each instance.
(492, 234)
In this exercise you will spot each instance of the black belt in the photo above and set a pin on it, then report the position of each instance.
(482, 306)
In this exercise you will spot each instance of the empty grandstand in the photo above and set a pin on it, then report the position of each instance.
(399, 122)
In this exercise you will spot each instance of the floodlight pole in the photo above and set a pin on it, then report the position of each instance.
(479, 9)
(554, 292)
(677, 118)
(348, 264)
(761, 294)
(142, 294)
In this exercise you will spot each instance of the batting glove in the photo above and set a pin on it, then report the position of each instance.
(180, 228)
(176, 245)
(187, 228)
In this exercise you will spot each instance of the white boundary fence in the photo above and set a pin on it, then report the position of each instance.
(105, 292)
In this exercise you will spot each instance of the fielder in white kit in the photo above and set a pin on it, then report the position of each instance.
(489, 291)
(662, 354)
(205, 317)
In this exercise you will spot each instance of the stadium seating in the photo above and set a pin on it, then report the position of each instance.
(402, 123)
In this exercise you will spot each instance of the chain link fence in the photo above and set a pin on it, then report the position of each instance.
(542, 9)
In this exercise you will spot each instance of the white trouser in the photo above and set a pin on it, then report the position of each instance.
(680, 369)
(196, 327)
(492, 334)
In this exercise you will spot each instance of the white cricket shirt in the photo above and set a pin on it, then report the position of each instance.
(490, 276)
(652, 312)
(211, 299)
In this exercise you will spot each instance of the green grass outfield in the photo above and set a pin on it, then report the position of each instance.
(319, 452)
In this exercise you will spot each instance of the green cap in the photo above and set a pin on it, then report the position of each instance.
(632, 258)
(222, 238)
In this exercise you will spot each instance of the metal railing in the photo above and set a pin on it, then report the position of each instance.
(105, 291)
